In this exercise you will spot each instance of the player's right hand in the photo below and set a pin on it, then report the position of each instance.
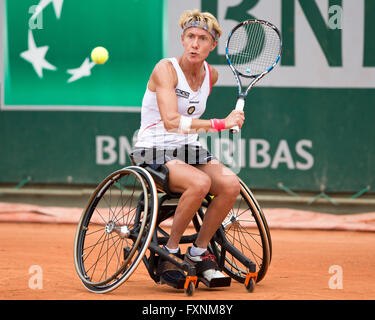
(235, 118)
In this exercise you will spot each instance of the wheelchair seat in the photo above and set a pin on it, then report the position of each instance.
(161, 178)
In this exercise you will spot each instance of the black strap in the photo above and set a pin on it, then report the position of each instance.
(206, 264)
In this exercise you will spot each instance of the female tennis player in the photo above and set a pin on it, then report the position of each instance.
(174, 100)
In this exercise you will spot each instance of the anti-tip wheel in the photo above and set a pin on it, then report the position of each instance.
(189, 291)
(250, 285)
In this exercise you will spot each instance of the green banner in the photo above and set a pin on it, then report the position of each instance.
(309, 123)
(48, 45)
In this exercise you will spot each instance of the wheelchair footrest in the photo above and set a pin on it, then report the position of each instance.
(216, 282)
(177, 285)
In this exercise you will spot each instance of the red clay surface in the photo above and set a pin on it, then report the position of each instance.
(299, 269)
(280, 218)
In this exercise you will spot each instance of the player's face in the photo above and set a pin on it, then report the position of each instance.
(198, 43)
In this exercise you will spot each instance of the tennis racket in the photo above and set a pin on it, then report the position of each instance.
(252, 50)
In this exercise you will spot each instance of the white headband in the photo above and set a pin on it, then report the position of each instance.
(197, 24)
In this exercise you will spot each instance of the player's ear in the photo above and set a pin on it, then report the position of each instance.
(214, 44)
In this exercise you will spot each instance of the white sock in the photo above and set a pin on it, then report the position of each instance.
(172, 250)
(194, 251)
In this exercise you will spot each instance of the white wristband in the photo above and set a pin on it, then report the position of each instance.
(185, 124)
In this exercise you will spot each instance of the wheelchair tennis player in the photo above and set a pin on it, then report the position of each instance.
(175, 98)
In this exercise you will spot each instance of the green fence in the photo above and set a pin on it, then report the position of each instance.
(309, 124)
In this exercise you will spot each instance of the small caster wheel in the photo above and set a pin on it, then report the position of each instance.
(250, 285)
(189, 290)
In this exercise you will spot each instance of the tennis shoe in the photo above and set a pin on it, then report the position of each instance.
(208, 269)
(170, 274)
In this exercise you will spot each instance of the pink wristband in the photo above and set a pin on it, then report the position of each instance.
(217, 125)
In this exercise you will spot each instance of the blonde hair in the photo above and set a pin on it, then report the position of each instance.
(204, 18)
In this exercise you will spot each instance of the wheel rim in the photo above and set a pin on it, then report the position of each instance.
(111, 222)
(262, 216)
(244, 229)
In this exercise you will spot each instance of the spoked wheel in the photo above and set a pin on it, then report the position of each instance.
(245, 228)
(261, 214)
(115, 229)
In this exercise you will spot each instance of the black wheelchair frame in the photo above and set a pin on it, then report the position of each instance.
(142, 238)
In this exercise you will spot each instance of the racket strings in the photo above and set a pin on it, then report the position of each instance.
(253, 48)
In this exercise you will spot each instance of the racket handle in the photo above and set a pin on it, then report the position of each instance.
(239, 106)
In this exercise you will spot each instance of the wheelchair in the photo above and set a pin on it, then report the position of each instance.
(126, 222)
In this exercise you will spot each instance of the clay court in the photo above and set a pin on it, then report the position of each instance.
(300, 269)
(280, 92)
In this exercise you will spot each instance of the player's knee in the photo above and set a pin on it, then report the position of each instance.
(230, 187)
(201, 185)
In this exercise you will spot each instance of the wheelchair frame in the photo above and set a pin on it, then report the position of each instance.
(146, 227)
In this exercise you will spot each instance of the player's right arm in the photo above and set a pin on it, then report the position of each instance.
(163, 81)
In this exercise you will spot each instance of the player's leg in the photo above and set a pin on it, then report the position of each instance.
(194, 185)
(225, 187)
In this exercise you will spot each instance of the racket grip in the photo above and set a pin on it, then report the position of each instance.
(239, 106)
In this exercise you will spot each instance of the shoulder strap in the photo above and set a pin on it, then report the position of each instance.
(180, 74)
(208, 70)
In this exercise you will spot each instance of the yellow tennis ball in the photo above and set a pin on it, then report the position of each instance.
(99, 55)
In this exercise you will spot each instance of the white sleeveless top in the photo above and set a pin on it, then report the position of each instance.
(190, 104)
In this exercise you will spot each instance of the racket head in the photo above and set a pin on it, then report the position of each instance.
(253, 48)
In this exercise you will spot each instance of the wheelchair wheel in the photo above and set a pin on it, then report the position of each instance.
(115, 229)
(259, 209)
(245, 229)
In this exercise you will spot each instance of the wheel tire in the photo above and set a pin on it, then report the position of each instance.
(113, 219)
(190, 289)
(250, 287)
